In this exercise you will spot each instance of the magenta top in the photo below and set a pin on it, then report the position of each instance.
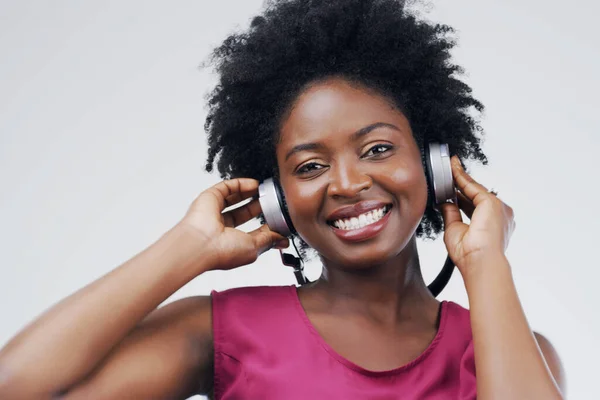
(266, 348)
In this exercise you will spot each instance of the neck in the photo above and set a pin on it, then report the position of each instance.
(389, 292)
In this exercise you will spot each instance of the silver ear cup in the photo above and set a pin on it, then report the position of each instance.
(441, 172)
(272, 207)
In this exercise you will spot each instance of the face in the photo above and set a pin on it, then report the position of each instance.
(351, 173)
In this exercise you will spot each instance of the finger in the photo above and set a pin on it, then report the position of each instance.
(264, 238)
(235, 198)
(282, 244)
(450, 214)
(465, 204)
(242, 214)
(473, 190)
(228, 192)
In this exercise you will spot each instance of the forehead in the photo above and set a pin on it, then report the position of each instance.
(336, 106)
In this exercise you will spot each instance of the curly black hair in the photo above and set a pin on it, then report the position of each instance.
(379, 44)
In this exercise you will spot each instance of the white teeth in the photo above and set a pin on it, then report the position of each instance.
(371, 217)
(361, 221)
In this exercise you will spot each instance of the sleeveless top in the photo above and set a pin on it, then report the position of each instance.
(266, 348)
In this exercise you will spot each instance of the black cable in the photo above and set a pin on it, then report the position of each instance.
(440, 282)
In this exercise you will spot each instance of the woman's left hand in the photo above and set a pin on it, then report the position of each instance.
(491, 222)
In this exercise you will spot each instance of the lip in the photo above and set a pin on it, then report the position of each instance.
(364, 233)
(356, 209)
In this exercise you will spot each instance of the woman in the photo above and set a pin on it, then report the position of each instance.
(337, 100)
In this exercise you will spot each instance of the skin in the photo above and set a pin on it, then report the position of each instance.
(370, 293)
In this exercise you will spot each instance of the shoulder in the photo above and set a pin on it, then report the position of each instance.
(250, 292)
(243, 303)
(250, 297)
(552, 359)
(243, 317)
(455, 327)
(459, 317)
(456, 307)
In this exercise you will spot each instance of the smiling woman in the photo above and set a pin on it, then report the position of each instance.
(337, 101)
(347, 124)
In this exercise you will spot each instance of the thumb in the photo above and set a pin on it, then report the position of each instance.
(451, 214)
(454, 229)
(264, 238)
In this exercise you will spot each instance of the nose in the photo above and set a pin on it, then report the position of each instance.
(348, 180)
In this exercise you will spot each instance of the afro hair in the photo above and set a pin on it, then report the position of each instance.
(379, 44)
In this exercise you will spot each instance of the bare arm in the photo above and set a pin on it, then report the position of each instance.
(168, 355)
(65, 344)
(510, 362)
(100, 341)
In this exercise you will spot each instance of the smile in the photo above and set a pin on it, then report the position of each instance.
(363, 227)
(362, 220)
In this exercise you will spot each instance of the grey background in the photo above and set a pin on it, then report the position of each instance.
(102, 148)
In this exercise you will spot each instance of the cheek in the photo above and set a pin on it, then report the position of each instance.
(412, 183)
(303, 201)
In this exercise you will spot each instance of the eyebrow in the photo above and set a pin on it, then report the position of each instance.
(355, 136)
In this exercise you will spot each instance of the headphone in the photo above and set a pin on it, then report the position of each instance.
(441, 189)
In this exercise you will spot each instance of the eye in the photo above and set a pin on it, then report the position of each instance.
(377, 150)
(308, 168)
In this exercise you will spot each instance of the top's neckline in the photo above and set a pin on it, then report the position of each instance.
(443, 317)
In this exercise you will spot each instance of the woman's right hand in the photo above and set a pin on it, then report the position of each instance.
(229, 247)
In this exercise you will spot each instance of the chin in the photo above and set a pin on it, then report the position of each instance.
(363, 255)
